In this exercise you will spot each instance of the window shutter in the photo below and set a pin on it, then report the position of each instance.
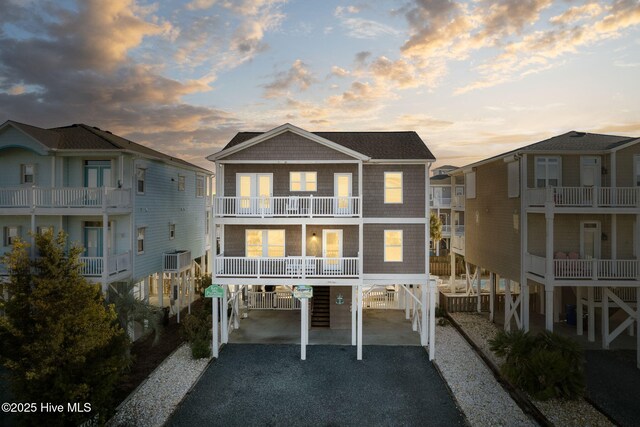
(513, 183)
(470, 182)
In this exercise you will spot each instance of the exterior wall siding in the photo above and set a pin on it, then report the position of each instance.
(288, 146)
(13, 158)
(325, 177)
(12, 137)
(414, 247)
(413, 188)
(625, 167)
(161, 205)
(491, 241)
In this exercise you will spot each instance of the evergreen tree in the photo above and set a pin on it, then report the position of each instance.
(60, 342)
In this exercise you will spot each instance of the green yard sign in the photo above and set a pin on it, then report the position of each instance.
(214, 291)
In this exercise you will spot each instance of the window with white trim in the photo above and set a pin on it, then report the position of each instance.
(199, 186)
(393, 245)
(140, 180)
(393, 187)
(11, 233)
(547, 172)
(513, 182)
(265, 243)
(141, 233)
(172, 231)
(303, 181)
(27, 174)
(181, 181)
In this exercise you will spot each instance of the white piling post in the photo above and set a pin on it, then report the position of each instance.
(492, 295)
(359, 349)
(236, 305)
(178, 299)
(303, 328)
(424, 311)
(224, 334)
(591, 314)
(605, 318)
(579, 327)
(432, 321)
(214, 327)
(507, 305)
(354, 311)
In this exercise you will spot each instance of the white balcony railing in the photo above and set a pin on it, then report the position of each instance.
(446, 230)
(93, 266)
(442, 202)
(600, 197)
(65, 197)
(286, 267)
(176, 261)
(457, 202)
(272, 301)
(586, 269)
(293, 206)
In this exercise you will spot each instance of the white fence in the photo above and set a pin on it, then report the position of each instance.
(622, 197)
(294, 206)
(381, 299)
(278, 300)
(64, 197)
(286, 267)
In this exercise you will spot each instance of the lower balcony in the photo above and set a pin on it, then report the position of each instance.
(585, 269)
(286, 267)
(176, 261)
(93, 267)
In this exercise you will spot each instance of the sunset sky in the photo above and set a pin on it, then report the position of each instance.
(472, 78)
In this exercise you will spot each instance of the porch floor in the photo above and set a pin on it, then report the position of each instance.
(380, 327)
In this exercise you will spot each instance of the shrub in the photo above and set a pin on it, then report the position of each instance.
(546, 365)
(200, 349)
(440, 311)
(196, 329)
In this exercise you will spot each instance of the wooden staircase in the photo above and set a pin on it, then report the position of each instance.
(320, 318)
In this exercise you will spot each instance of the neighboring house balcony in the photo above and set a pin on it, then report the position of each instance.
(585, 270)
(446, 231)
(118, 267)
(64, 200)
(457, 242)
(176, 261)
(292, 267)
(585, 198)
(457, 202)
(287, 206)
(442, 203)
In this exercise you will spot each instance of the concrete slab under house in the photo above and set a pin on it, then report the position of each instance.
(346, 213)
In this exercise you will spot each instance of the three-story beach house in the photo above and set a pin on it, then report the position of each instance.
(335, 210)
(140, 215)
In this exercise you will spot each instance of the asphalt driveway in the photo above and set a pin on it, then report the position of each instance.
(253, 384)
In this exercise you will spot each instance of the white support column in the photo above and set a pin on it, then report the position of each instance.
(304, 309)
(614, 236)
(452, 276)
(214, 327)
(105, 247)
(493, 279)
(424, 338)
(432, 320)
(605, 318)
(579, 308)
(236, 307)
(557, 303)
(146, 286)
(591, 314)
(479, 289)
(524, 305)
(359, 349)
(159, 278)
(407, 304)
(354, 311)
(303, 246)
(178, 301)
(548, 308)
(507, 305)
(224, 334)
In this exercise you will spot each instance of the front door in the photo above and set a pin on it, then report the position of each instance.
(332, 249)
(97, 173)
(254, 192)
(93, 238)
(342, 193)
(590, 240)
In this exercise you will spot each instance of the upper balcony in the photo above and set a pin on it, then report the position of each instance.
(457, 202)
(290, 267)
(288, 206)
(64, 200)
(584, 197)
(442, 203)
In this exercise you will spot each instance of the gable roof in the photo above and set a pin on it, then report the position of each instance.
(84, 137)
(375, 145)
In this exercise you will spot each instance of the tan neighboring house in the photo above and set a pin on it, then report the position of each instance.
(558, 220)
(340, 211)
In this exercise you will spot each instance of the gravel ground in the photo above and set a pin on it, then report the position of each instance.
(559, 412)
(479, 395)
(152, 403)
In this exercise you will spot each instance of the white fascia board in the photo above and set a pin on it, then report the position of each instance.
(287, 127)
(402, 161)
(46, 150)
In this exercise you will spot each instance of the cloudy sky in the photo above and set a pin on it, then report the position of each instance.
(472, 78)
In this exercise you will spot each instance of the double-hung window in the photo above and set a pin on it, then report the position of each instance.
(199, 186)
(11, 233)
(141, 233)
(27, 174)
(393, 246)
(264, 243)
(547, 172)
(303, 181)
(140, 180)
(393, 187)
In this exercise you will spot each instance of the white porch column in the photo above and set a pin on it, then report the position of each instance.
(452, 277)
(407, 303)
(493, 279)
(548, 308)
(579, 308)
(432, 320)
(507, 305)
(224, 334)
(354, 311)
(605, 318)
(591, 314)
(303, 246)
(105, 247)
(479, 290)
(359, 349)
(524, 305)
(214, 327)
(159, 278)
(424, 336)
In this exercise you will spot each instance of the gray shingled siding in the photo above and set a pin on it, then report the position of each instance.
(281, 177)
(413, 181)
(625, 159)
(413, 249)
(288, 146)
(234, 239)
(570, 165)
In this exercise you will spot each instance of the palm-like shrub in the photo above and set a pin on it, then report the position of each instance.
(546, 365)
